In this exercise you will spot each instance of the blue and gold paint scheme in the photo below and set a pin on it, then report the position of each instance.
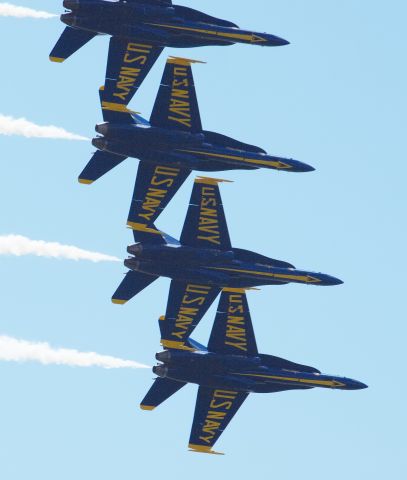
(140, 30)
(201, 263)
(170, 145)
(227, 370)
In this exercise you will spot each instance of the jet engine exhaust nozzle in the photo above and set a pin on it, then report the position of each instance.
(70, 4)
(160, 370)
(164, 356)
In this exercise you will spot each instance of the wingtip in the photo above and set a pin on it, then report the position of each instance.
(182, 61)
(56, 59)
(85, 181)
(119, 301)
(147, 407)
(238, 290)
(203, 449)
(211, 181)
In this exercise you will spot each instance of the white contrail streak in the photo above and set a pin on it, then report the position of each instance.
(23, 128)
(9, 10)
(18, 246)
(15, 350)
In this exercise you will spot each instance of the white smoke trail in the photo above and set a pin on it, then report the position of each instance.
(15, 350)
(9, 10)
(22, 127)
(18, 246)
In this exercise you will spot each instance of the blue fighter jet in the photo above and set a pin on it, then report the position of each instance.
(139, 30)
(227, 371)
(169, 146)
(201, 263)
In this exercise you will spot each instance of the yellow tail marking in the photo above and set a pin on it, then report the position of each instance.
(141, 227)
(147, 407)
(176, 345)
(117, 107)
(85, 181)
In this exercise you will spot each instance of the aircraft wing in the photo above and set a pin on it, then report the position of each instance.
(154, 188)
(128, 64)
(71, 40)
(213, 412)
(205, 224)
(232, 332)
(176, 105)
(187, 304)
(161, 389)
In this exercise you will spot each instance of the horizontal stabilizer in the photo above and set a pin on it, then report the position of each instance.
(98, 165)
(161, 390)
(132, 284)
(69, 42)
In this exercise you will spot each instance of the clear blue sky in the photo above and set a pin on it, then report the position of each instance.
(334, 98)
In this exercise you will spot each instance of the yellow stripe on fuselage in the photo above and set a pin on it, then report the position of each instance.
(326, 383)
(237, 36)
(280, 276)
(267, 163)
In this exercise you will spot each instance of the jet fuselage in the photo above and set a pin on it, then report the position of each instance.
(194, 151)
(235, 268)
(160, 25)
(245, 374)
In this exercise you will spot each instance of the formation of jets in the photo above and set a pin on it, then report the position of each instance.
(203, 263)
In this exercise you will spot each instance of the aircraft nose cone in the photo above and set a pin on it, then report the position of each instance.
(307, 168)
(278, 41)
(356, 385)
(297, 166)
(328, 280)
